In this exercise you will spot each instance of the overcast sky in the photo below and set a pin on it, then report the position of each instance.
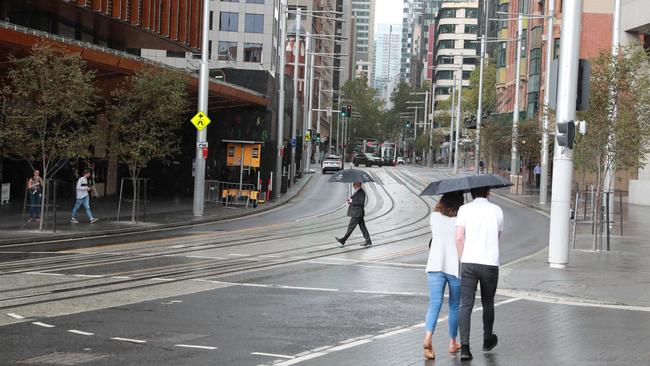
(388, 11)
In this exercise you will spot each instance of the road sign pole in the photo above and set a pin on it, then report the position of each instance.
(318, 123)
(558, 252)
(451, 123)
(458, 116)
(479, 112)
(307, 107)
(202, 134)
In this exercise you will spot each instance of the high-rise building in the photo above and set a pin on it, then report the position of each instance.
(455, 50)
(363, 12)
(387, 57)
(241, 36)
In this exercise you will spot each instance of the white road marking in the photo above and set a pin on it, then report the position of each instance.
(128, 340)
(308, 288)
(271, 355)
(238, 255)
(390, 334)
(80, 332)
(15, 316)
(350, 345)
(121, 277)
(301, 359)
(45, 273)
(44, 325)
(199, 257)
(88, 276)
(195, 346)
(163, 279)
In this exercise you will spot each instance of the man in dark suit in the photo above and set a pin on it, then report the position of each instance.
(356, 213)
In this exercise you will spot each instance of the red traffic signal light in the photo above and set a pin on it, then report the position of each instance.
(348, 111)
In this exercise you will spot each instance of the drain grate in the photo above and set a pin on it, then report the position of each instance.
(64, 359)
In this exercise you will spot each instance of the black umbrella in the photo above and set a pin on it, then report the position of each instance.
(351, 176)
(465, 183)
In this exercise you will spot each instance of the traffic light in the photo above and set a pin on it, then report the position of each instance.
(566, 133)
(318, 137)
(408, 124)
(344, 112)
(348, 111)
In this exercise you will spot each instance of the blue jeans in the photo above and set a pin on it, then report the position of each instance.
(34, 205)
(437, 281)
(82, 201)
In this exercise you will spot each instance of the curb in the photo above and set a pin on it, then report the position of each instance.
(157, 227)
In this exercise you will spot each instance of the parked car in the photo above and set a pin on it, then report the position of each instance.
(332, 163)
(400, 161)
(366, 159)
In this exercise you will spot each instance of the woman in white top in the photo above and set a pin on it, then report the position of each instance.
(442, 269)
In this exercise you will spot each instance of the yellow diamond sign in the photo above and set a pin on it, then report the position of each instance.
(200, 121)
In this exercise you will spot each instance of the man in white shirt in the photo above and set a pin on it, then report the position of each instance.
(478, 229)
(538, 174)
(83, 198)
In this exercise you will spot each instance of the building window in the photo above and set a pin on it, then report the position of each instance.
(442, 91)
(535, 61)
(469, 60)
(471, 13)
(255, 1)
(254, 23)
(229, 1)
(209, 50)
(445, 75)
(227, 51)
(176, 54)
(524, 43)
(447, 43)
(446, 28)
(471, 28)
(447, 13)
(468, 45)
(228, 22)
(503, 24)
(211, 18)
(556, 48)
(501, 54)
(445, 60)
(252, 52)
(466, 74)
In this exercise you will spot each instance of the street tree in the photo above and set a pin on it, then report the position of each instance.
(470, 93)
(49, 98)
(529, 142)
(618, 117)
(146, 116)
(366, 109)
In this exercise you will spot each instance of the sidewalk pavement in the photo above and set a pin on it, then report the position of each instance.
(161, 213)
(618, 277)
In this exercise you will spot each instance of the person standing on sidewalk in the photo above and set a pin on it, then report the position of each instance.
(538, 174)
(442, 269)
(83, 198)
(356, 212)
(35, 190)
(478, 229)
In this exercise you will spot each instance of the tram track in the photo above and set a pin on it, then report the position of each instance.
(190, 271)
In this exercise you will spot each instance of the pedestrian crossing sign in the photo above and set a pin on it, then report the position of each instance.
(200, 121)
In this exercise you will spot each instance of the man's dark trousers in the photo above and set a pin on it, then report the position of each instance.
(354, 221)
(471, 275)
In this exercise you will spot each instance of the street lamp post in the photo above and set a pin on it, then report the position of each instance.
(294, 120)
(479, 112)
(307, 92)
(543, 184)
(514, 151)
(458, 116)
(283, 48)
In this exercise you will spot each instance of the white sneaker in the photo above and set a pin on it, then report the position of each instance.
(74, 221)
(94, 220)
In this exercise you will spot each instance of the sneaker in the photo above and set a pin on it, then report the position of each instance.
(74, 221)
(340, 241)
(465, 354)
(490, 342)
(94, 220)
